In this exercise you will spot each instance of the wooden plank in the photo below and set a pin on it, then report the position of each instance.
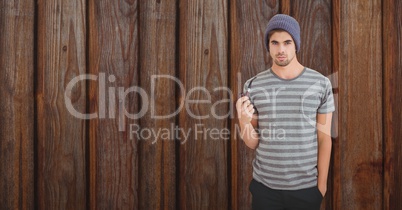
(334, 185)
(61, 133)
(316, 51)
(157, 153)
(17, 104)
(113, 59)
(360, 109)
(203, 41)
(392, 54)
(248, 57)
(285, 6)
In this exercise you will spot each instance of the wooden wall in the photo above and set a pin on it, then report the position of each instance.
(17, 107)
(392, 100)
(187, 59)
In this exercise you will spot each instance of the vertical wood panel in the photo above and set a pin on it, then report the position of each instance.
(17, 104)
(335, 169)
(61, 135)
(113, 59)
(248, 57)
(360, 129)
(203, 178)
(392, 57)
(315, 50)
(157, 166)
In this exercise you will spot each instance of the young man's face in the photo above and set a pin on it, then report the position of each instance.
(282, 48)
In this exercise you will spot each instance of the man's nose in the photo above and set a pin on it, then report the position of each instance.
(281, 48)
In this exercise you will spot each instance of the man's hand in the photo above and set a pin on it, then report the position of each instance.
(245, 110)
(322, 189)
(248, 122)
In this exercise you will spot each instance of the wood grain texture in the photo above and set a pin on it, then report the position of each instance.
(17, 104)
(203, 41)
(101, 164)
(392, 99)
(113, 59)
(360, 111)
(61, 135)
(316, 51)
(157, 152)
(248, 57)
(334, 184)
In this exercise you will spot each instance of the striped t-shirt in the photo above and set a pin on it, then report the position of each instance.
(286, 157)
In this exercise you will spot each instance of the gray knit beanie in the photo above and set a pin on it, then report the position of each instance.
(287, 23)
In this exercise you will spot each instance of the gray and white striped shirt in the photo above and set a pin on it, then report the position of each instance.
(286, 157)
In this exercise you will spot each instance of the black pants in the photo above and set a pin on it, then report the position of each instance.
(265, 198)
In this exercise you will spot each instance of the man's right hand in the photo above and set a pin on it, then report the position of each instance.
(245, 110)
(248, 121)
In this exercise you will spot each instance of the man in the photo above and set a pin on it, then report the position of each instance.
(285, 115)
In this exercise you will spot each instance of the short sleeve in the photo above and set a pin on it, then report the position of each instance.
(327, 100)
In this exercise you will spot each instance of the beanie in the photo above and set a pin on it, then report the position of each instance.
(287, 23)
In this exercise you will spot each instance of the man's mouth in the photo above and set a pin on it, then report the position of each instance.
(281, 58)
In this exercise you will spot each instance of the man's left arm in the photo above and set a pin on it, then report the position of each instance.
(324, 149)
